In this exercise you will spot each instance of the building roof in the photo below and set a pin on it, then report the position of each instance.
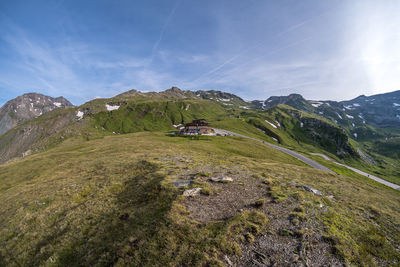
(201, 122)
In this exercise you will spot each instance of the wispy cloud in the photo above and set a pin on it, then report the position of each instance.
(73, 71)
(246, 68)
(164, 29)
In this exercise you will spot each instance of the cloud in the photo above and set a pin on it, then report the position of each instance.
(324, 50)
(163, 30)
(75, 70)
(201, 58)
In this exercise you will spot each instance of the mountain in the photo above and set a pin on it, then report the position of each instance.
(226, 99)
(371, 123)
(129, 112)
(381, 110)
(26, 107)
(173, 93)
(293, 100)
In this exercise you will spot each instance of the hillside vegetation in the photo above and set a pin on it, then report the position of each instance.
(135, 111)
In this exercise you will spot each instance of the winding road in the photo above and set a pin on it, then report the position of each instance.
(375, 178)
(309, 161)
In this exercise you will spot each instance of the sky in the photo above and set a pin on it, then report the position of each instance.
(81, 50)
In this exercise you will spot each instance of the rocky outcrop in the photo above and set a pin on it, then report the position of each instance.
(327, 136)
(321, 133)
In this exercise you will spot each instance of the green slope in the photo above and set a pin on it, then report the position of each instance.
(298, 130)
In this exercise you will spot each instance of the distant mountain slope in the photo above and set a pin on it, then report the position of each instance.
(37, 134)
(173, 92)
(381, 110)
(26, 107)
(293, 100)
(223, 98)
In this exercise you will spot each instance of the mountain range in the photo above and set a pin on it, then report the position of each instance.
(108, 183)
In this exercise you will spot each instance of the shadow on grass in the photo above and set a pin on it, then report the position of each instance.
(144, 227)
(127, 231)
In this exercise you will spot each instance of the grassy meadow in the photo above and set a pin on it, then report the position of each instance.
(110, 201)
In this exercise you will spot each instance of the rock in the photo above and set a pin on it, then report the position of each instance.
(39, 203)
(192, 192)
(26, 153)
(181, 184)
(225, 179)
(228, 261)
(310, 189)
(124, 217)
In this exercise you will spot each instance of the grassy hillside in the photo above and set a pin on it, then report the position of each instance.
(158, 115)
(110, 201)
(298, 130)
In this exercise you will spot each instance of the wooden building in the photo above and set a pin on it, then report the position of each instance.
(196, 127)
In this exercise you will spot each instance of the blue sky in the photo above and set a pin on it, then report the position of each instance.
(255, 48)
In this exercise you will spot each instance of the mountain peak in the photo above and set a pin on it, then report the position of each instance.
(296, 96)
(174, 89)
(28, 106)
(294, 100)
(130, 93)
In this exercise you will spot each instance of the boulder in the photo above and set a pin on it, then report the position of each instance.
(225, 179)
(310, 189)
(192, 192)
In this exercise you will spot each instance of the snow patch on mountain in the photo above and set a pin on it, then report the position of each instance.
(110, 107)
(270, 123)
(79, 114)
(316, 104)
(349, 107)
